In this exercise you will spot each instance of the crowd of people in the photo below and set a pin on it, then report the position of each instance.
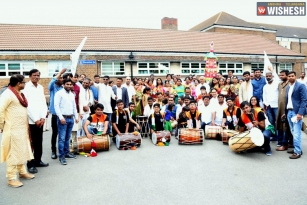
(79, 106)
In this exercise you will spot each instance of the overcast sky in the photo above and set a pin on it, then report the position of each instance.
(132, 13)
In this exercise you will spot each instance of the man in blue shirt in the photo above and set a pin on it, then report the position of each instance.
(258, 82)
(54, 86)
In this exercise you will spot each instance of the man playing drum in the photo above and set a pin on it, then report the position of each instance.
(120, 120)
(156, 119)
(96, 123)
(231, 115)
(251, 118)
(194, 116)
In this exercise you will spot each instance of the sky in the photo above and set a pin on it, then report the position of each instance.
(133, 13)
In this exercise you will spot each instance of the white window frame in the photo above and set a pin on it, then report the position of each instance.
(199, 71)
(258, 66)
(146, 71)
(59, 66)
(113, 69)
(236, 70)
(285, 66)
(22, 70)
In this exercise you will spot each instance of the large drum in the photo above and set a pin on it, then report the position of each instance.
(246, 140)
(191, 136)
(161, 136)
(211, 132)
(84, 144)
(227, 134)
(128, 140)
(143, 122)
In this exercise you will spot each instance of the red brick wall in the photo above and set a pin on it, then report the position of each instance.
(269, 35)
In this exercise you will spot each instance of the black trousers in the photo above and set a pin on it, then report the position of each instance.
(37, 143)
(54, 126)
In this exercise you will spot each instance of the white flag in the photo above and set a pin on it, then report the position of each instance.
(267, 64)
(74, 57)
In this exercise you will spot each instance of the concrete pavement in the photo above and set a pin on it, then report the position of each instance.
(179, 174)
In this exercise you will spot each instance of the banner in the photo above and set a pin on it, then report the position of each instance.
(211, 69)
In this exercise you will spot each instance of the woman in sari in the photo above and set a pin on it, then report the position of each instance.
(138, 94)
(179, 90)
(235, 87)
(152, 88)
(223, 88)
(214, 84)
(159, 87)
(193, 87)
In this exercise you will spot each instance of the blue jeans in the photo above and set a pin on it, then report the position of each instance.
(267, 136)
(282, 138)
(92, 130)
(110, 122)
(296, 132)
(272, 115)
(64, 136)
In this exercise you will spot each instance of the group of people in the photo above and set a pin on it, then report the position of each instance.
(83, 107)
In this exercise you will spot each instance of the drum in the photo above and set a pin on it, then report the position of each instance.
(211, 132)
(241, 142)
(84, 144)
(161, 136)
(191, 136)
(143, 122)
(128, 140)
(227, 134)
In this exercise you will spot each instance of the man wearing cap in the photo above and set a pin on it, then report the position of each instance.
(105, 93)
(246, 88)
(131, 91)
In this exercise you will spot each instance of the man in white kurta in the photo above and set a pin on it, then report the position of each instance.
(105, 93)
(86, 100)
(15, 144)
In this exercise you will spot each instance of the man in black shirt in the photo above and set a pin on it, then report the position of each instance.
(120, 119)
(251, 118)
(231, 115)
(155, 120)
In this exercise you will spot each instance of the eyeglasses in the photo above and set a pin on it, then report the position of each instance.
(105, 79)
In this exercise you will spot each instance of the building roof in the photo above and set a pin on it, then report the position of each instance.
(67, 38)
(286, 31)
(225, 19)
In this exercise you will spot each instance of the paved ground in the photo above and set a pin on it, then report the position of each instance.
(179, 174)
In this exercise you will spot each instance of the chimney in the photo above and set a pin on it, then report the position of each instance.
(169, 23)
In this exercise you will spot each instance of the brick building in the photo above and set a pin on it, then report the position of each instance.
(120, 52)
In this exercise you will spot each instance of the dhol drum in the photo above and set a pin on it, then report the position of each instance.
(191, 136)
(211, 132)
(161, 136)
(84, 144)
(227, 134)
(128, 140)
(246, 140)
(143, 122)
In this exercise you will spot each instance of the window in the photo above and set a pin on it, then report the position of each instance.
(57, 66)
(236, 68)
(153, 68)
(113, 68)
(285, 66)
(305, 66)
(257, 66)
(192, 68)
(13, 67)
